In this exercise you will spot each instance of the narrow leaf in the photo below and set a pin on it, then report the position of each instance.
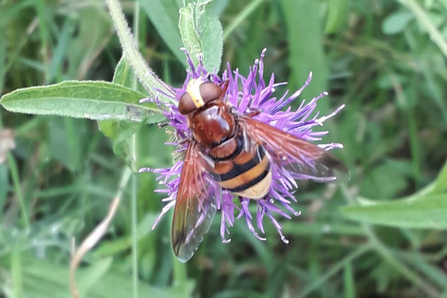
(16, 270)
(338, 15)
(397, 22)
(67, 140)
(305, 37)
(427, 23)
(241, 17)
(441, 180)
(120, 132)
(93, 274)
(164, 16)
(427, 212)
(4, 183)
(210, 34)
(124, 74)
(96, 100)
(349, 281)
(43, 279)
(189, 33)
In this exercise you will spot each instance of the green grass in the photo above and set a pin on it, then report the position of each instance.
(385, 60)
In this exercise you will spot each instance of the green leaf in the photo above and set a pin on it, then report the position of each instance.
(202, 33)
(96, 100)
(189, 34)
(121, 132)
(42, 279)
(424, 20)
(426, 212)
(349, 281)
(338, 15)
(243, 16)
(16, 270)
(124, 74)
(67, 141)
(82, 47)
(385, 180)
(396, 22)
(93, 274)
(164, 16)
(210, 34)
(441, 180)
(426, 267)
(306, 48)
(438, 186)
(3, 185)
(147, 76)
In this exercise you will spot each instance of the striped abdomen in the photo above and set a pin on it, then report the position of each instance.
(243, 169)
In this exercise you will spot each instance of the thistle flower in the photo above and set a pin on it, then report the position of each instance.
(246, 94)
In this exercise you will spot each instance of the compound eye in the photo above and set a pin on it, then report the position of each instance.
(186, 105)
(210, 91)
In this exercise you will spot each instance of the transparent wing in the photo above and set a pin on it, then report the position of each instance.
(194, 208)
(303, 159)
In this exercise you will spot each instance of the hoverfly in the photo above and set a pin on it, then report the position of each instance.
(236, 151)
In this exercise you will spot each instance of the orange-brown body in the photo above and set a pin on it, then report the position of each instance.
(235, 161)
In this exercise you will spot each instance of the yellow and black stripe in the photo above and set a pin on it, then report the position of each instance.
(248, 168)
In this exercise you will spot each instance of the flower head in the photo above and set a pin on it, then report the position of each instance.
(246, 94)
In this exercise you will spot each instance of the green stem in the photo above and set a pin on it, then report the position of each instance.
(134, 203)
(123, 183)
(18, 191)
(134, 236)
(98, 232)
(179, 273)
(414, 145)
(424, 20)
(147, 77)
(387, 255)
(241, 17)
(336, 268)
(44, 35)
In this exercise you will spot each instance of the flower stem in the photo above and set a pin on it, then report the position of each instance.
(16, 181)
(134, 178)
(425, 21)
(147, 77)
(134, 236)
(334, 270)
(18, 191)
(388, 256)
(241, 17)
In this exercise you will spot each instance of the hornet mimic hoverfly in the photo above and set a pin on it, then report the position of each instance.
(237, 152)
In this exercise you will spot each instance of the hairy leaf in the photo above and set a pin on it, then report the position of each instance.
(426, 212)
(96, 100)
(210, 34)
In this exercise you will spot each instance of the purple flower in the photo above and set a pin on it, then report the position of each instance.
(246, 94)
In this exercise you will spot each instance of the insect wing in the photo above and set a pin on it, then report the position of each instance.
(303, 159)
(194, 208)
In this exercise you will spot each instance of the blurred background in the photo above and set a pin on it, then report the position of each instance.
(375, 56)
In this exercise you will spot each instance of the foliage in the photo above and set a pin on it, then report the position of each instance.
(386, 60)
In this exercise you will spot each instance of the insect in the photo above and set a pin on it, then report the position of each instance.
(237, 151)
